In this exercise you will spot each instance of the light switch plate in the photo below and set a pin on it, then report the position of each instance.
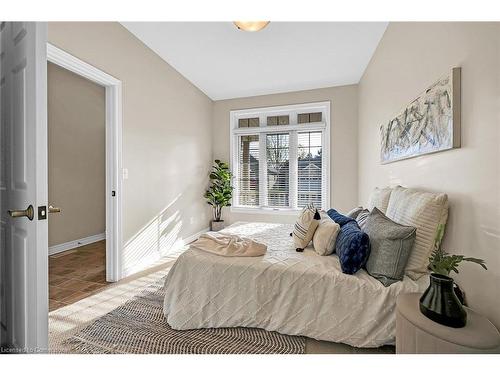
(125, 173)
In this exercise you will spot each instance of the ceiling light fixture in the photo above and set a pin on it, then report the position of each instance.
(251, 25)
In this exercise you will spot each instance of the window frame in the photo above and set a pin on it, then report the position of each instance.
(293, 129)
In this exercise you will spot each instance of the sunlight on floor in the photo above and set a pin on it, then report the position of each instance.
(64, 322)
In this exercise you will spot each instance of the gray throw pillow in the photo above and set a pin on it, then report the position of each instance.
(362, 218)
(391, 244)
(353, 214)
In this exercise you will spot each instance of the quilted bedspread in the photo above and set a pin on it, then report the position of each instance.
(292, 293)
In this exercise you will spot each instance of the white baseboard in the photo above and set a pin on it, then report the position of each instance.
(149, 260)
(76, 243)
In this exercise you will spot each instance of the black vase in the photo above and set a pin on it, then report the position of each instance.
(440, 303)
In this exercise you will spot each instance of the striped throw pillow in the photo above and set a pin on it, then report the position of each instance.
(424, 211)
(305, 226)
(362, 217)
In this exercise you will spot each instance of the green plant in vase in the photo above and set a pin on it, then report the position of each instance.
(219, 193)
(443, 263)
(440, 302)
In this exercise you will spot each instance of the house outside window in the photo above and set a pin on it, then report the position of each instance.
(280, 157)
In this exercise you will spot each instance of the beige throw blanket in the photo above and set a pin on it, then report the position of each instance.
(229, 245)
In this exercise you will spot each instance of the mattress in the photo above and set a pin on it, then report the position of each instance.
(285, 291)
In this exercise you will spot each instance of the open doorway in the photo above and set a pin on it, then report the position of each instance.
(85, 178)
(76, 109)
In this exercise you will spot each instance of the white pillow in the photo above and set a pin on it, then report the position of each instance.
(422, 210)
(326, 235)
(306, 225)
(379, 198)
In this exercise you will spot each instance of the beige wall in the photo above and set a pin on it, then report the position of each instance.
(165, 116)
(166, 138)
(410, 57)
(343, 144)
(77, 163)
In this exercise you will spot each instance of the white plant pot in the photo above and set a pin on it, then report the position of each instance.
(216, 226)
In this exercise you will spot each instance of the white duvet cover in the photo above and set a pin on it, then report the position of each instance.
(285, 291)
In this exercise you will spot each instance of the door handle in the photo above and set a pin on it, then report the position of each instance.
(54, 210)
(29, 213)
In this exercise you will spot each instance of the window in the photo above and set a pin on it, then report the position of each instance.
(280, 157)
(309, 168)
(248, 122)
(278, 169)
(248, 171)
(278, 120)
(309, 117)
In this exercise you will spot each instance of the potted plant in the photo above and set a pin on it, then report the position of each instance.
(219, 193)
(439, 302)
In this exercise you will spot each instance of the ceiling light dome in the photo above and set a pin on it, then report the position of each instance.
(251, 25)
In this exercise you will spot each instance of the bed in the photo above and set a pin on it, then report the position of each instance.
(285, 291)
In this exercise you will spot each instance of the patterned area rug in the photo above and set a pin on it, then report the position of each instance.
(139, 326)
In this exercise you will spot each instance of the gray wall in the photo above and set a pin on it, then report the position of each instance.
(166, 138)
(343, 142)
(410, 57)
(77, 161)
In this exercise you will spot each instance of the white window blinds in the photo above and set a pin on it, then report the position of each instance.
(278, 170)
(310, 167)
(248, 171)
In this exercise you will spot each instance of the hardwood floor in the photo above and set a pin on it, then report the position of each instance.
(76, 274)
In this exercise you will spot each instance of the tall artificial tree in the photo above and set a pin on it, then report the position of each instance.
(220, 192)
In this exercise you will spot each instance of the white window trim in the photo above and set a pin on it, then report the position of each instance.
(292, 110)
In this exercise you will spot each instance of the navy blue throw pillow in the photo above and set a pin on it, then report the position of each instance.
(338, 217)
(353, 245)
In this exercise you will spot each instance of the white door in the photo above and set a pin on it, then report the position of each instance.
(24, 184)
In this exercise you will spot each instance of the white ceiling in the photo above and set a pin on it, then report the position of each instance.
(225, 62)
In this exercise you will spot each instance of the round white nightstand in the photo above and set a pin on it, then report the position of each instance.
(415, 333)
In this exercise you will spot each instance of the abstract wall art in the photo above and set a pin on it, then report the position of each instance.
(429, 124)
